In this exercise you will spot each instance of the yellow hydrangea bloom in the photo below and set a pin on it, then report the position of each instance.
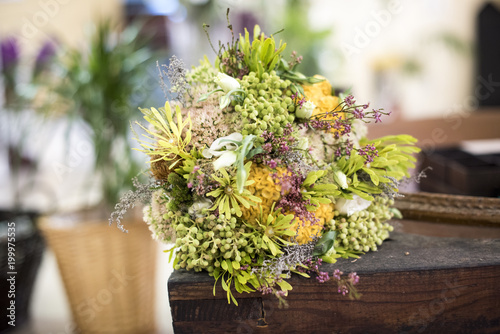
(269, 192)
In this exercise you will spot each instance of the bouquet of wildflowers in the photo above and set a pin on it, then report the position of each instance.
(260, 172)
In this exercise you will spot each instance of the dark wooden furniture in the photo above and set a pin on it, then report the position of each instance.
(413, 284)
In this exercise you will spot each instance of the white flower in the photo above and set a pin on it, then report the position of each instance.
(350, 206)
(303, 143)
(224, 149)
(196, 209)
(226, 82)
(341, 179)
(306, 110)
(227, 159)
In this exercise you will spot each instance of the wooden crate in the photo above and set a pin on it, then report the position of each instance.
(413, 284)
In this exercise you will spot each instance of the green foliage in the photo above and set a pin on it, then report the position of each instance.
(227, 197)
(286, 72)
(169, 139)
(96, 86)
(395, 158)
(317, 193)
(180, 195)
(395, 155)
(351, 167)
(269, 233)
(325, 243)
(262, 54)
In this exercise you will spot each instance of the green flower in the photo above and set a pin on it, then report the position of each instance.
(270, 231)
(227, 195)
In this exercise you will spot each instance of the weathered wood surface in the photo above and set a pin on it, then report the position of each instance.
(442, 285)
(463, 210)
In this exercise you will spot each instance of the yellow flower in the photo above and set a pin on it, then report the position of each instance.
(306, 230)
(265, 188)
(269, 192)
(321, 95)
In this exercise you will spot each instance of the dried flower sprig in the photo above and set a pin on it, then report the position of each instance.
(178, 85)
(142, 194)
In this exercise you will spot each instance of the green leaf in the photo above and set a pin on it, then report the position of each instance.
(254, 152)
(225, 100)
(238, 286)
(373, 177)
(284, 285)
(224, 284)
(223, 264)
(325, 243)
(396, 213)
(242, 279)
(229, 266)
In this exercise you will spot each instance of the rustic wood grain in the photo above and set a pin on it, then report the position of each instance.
(442, 285)
(463, 210)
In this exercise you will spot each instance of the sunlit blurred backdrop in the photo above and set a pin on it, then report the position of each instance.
(433, 63)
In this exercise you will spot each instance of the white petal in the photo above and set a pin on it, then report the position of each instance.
(226, 82)
(206, 153)
(216, 145)
(350, 206)
(236, 136)
(225, 160)
(222, 142)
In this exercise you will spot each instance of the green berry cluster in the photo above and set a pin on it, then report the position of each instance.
(268, 104)
(207, 241)
(202, 74)
(366, 229)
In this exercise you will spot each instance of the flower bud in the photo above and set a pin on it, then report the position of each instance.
(340, 179)
(306, 110)
(226, 82)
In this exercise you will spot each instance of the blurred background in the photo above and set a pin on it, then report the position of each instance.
(72, 74)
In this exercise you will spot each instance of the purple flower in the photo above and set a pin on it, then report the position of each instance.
(301, 102)
(280, 293)
(343, 290)
(337, 274)
(46, 53)
(267, 147)
(272, 164)
(323, 277)
(358, 113)
(376, 115)
(349, 100)
(347, 146)
(353, 278)
(368, 152)
(9, 53)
